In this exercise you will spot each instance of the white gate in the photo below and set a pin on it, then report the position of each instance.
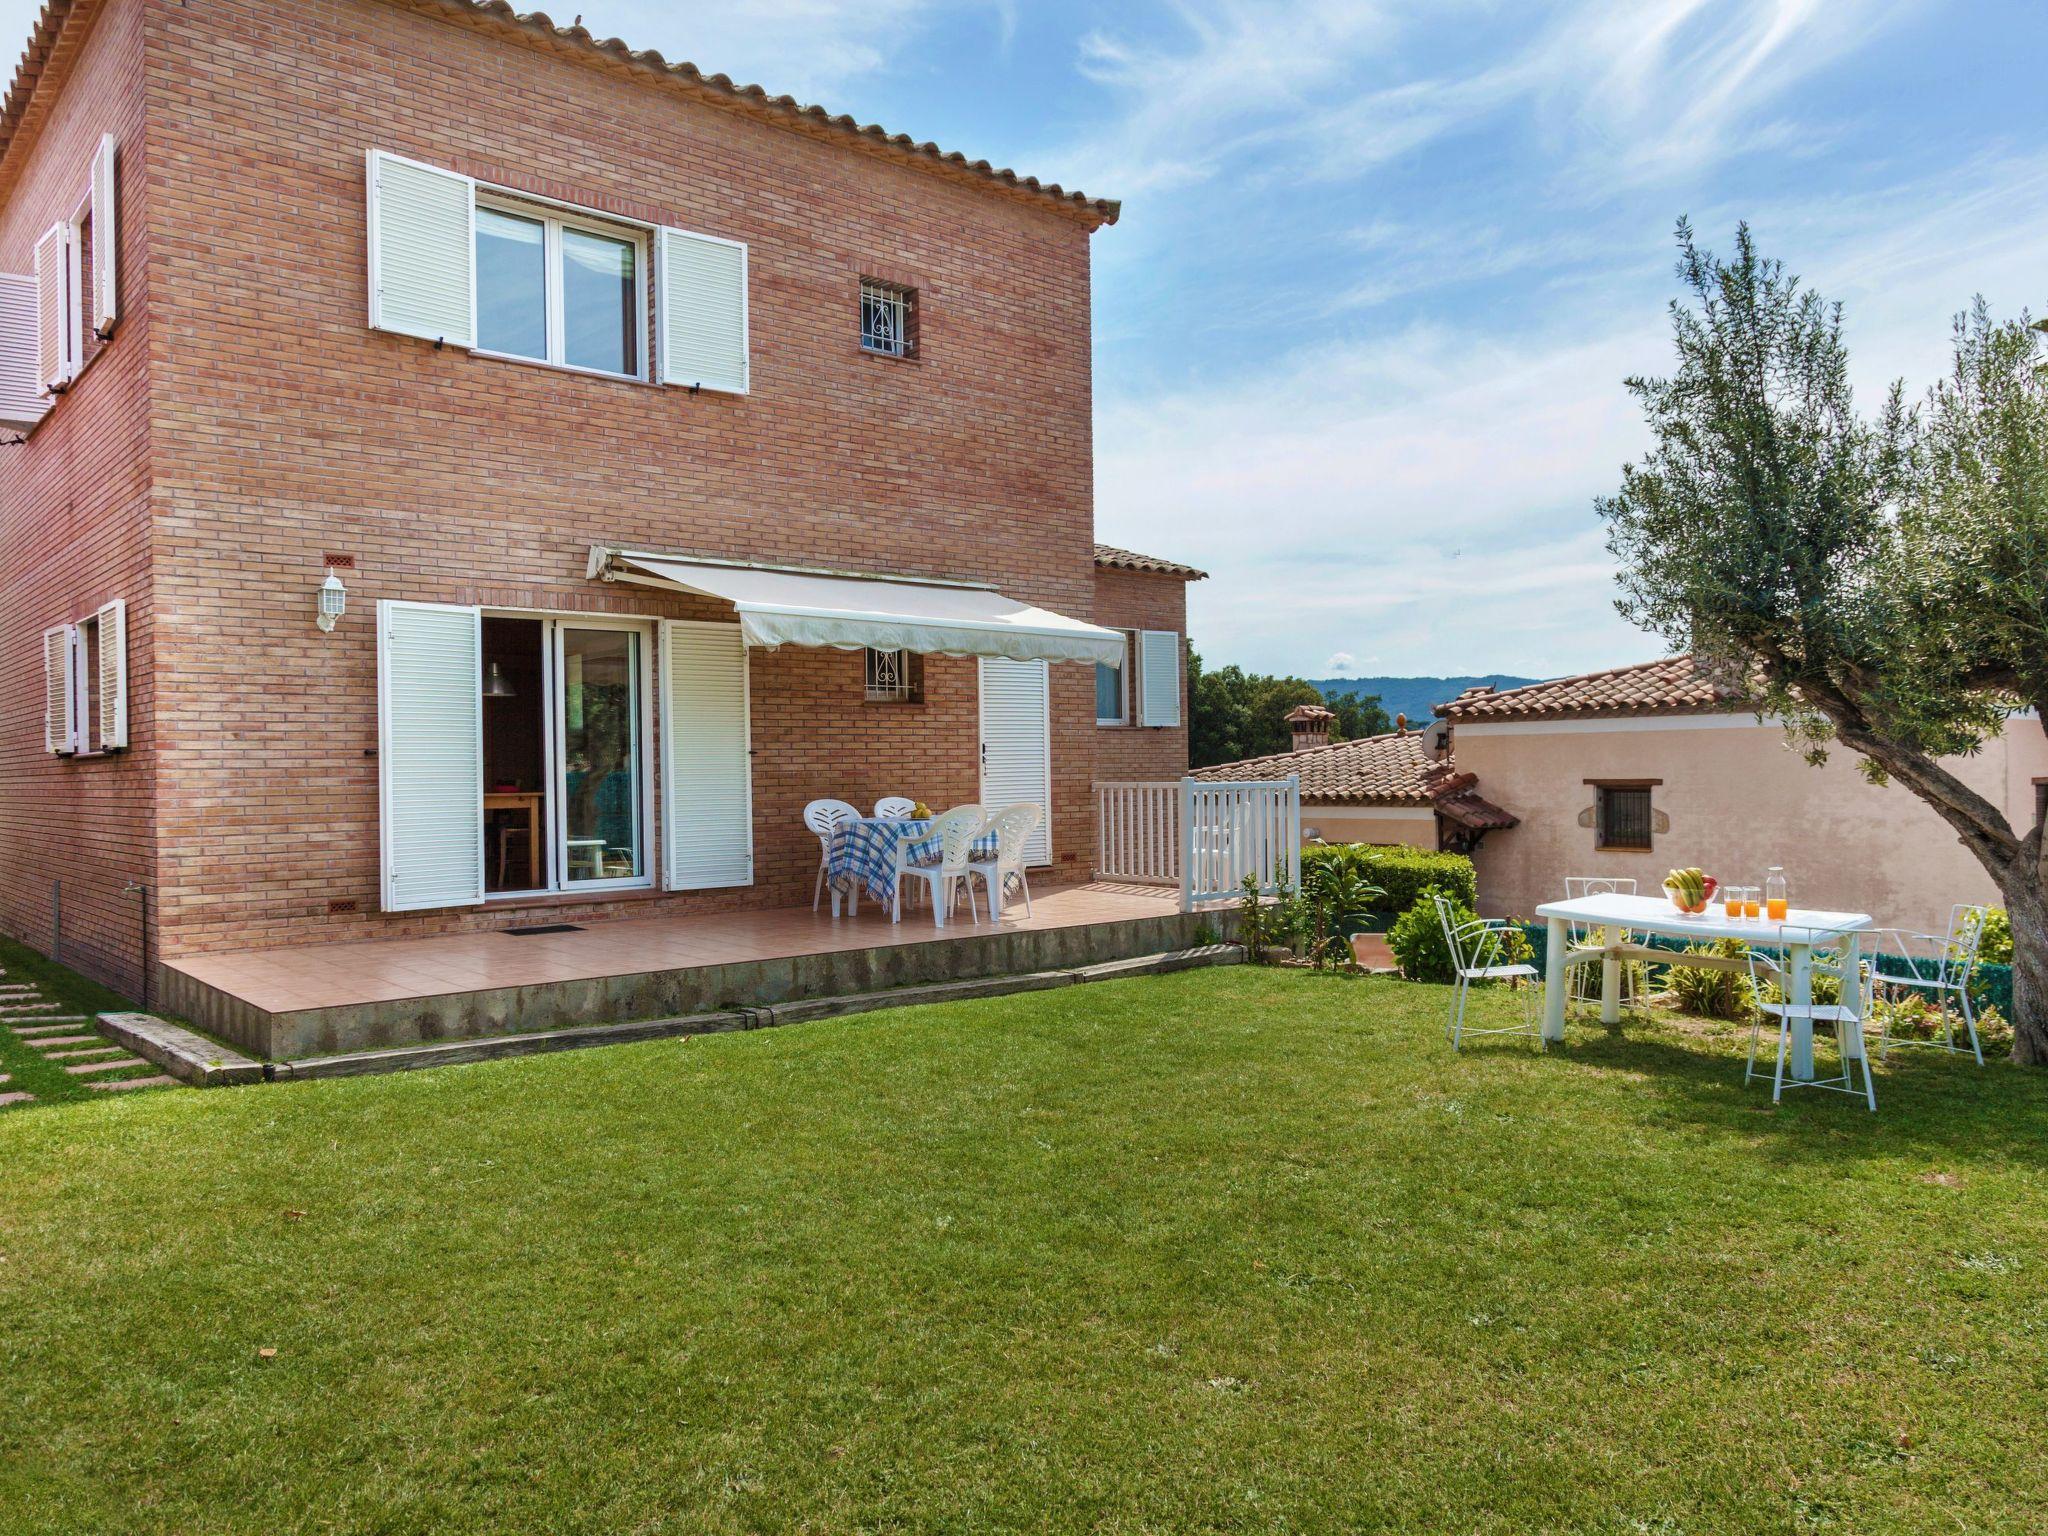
(1206, 838)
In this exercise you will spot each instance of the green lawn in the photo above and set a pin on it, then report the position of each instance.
(1228, 1250)
(27, 1069)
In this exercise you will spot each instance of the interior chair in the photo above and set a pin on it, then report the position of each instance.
(894, 807)
(824, 818)
(1012, 826)
(1769, 976)
(954, 832)
(1478, 953)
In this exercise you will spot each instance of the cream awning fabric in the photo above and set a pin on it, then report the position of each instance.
(849, 611)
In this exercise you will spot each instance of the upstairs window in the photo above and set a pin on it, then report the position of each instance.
(888, 318)
(1112, 696)
(1622, 816)
(894, 677)
(559, 289)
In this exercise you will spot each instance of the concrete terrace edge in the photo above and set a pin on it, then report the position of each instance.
(459, 1017)
(579, 1037)
(189, 1057)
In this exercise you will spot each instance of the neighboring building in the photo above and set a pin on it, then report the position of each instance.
(1637, 770)
(1394, 788)
(680, 454)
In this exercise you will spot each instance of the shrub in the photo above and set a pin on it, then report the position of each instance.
(1994, 943)
(1402, 874)
(1712, 994)
(1417, 940)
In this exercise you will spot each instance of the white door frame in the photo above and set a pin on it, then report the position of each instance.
(1045, 737)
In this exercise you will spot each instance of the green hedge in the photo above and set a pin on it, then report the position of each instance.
(1402, 874)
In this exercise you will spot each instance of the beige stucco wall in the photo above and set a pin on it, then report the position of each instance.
(1369, 824)
(1738, 801)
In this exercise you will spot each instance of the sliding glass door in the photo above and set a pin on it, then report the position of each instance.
(601, 715)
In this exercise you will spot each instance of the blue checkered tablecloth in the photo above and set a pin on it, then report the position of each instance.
(864, 853)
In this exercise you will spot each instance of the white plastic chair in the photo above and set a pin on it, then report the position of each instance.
(1847, 1015)
(1581, 985)
(1944, 966)
(825, 817)
(894, 808)
(1012, 826)
(1477, 955)
(955, 831)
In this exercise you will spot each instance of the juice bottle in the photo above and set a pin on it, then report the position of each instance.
(1776, 895)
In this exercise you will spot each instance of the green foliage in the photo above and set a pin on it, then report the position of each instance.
(1335, 900)
(1994, 941)
(1424, 954)
(1259, 922)
(1234, 714)
(1401, 874)
(1712, 994)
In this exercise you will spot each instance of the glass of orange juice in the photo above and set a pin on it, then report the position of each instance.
(1731, 902)
(1751, 907)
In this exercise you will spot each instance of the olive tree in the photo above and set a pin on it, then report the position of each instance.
(1879, 583)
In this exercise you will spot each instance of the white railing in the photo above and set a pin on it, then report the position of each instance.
(1205, 838)
(1137, 833)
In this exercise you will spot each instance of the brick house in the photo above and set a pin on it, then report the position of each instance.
(675, 455)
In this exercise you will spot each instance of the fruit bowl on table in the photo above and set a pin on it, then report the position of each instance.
(1690, 891)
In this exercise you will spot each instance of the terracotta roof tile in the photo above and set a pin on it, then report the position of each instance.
(1376, 770)
(1672, 686)
(1151, 565)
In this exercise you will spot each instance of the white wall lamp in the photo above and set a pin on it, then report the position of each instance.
(333, 602)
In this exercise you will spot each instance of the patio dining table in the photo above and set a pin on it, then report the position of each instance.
(863, 856)
(1616, 916)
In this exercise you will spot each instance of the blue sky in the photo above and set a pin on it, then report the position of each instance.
(1361, 334)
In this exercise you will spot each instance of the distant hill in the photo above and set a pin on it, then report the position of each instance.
(1416, 697)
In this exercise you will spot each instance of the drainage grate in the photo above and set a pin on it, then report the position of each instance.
(528, 932)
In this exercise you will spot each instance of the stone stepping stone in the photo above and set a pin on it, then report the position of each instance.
(45, 1026)
(82, 1052)
(29, 1098)
(116, 1064)
(45, 1043)
(4, 1078)
(122, 1085)
(27, 1010)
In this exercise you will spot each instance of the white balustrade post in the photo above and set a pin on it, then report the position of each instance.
(1187, 845)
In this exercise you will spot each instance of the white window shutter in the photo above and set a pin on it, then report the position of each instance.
(702, 327)
(53, 265)
(707, 786)
(59, 733)
(113, 679)
(1159, 677)
(430, 754)
(422, 241)
(105, 239)
(1016, 744)
(22, 401)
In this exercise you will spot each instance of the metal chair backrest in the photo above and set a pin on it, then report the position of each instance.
(1576, 886)
(894, 807)
(825, 817)
(1013, 825)
(1959, 950)
(1829, 948)
(956, 831)
(1446, 916)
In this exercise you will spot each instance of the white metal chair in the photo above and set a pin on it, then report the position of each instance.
(1012, 826)
(1943, 967)
(824, 818)
(1582, 985)
(1846, 1015)
(894, 808)
(1477, 954)
(955, 832)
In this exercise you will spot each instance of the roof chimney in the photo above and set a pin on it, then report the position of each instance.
(1401, 725)
(1311, 725)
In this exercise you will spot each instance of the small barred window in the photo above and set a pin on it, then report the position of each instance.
(888, 319)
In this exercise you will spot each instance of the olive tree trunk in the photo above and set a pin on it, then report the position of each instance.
(2026, 904)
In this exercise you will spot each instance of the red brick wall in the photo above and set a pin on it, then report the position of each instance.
(74, 533)
(1136, 600)
(287, 428)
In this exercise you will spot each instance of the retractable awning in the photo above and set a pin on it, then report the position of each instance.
(781, 605)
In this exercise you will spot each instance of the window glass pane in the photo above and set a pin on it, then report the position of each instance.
(1109, 692)
(600, 302)
(601, 753)
(511, 284)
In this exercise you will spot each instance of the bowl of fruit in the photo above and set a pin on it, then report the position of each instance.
(1690, 890)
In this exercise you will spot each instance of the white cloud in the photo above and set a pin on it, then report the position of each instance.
(1342, 664)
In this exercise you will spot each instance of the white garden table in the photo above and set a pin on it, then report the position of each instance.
(1618, 916)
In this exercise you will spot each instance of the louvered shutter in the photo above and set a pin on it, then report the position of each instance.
(105, 240)
(707, 784)
(430, 754)
(58, 728)
(22, 401)
(703, 321)
(53, 369)
(1016, 744)
(1159, 673)
(112, 626)
(422, 241)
